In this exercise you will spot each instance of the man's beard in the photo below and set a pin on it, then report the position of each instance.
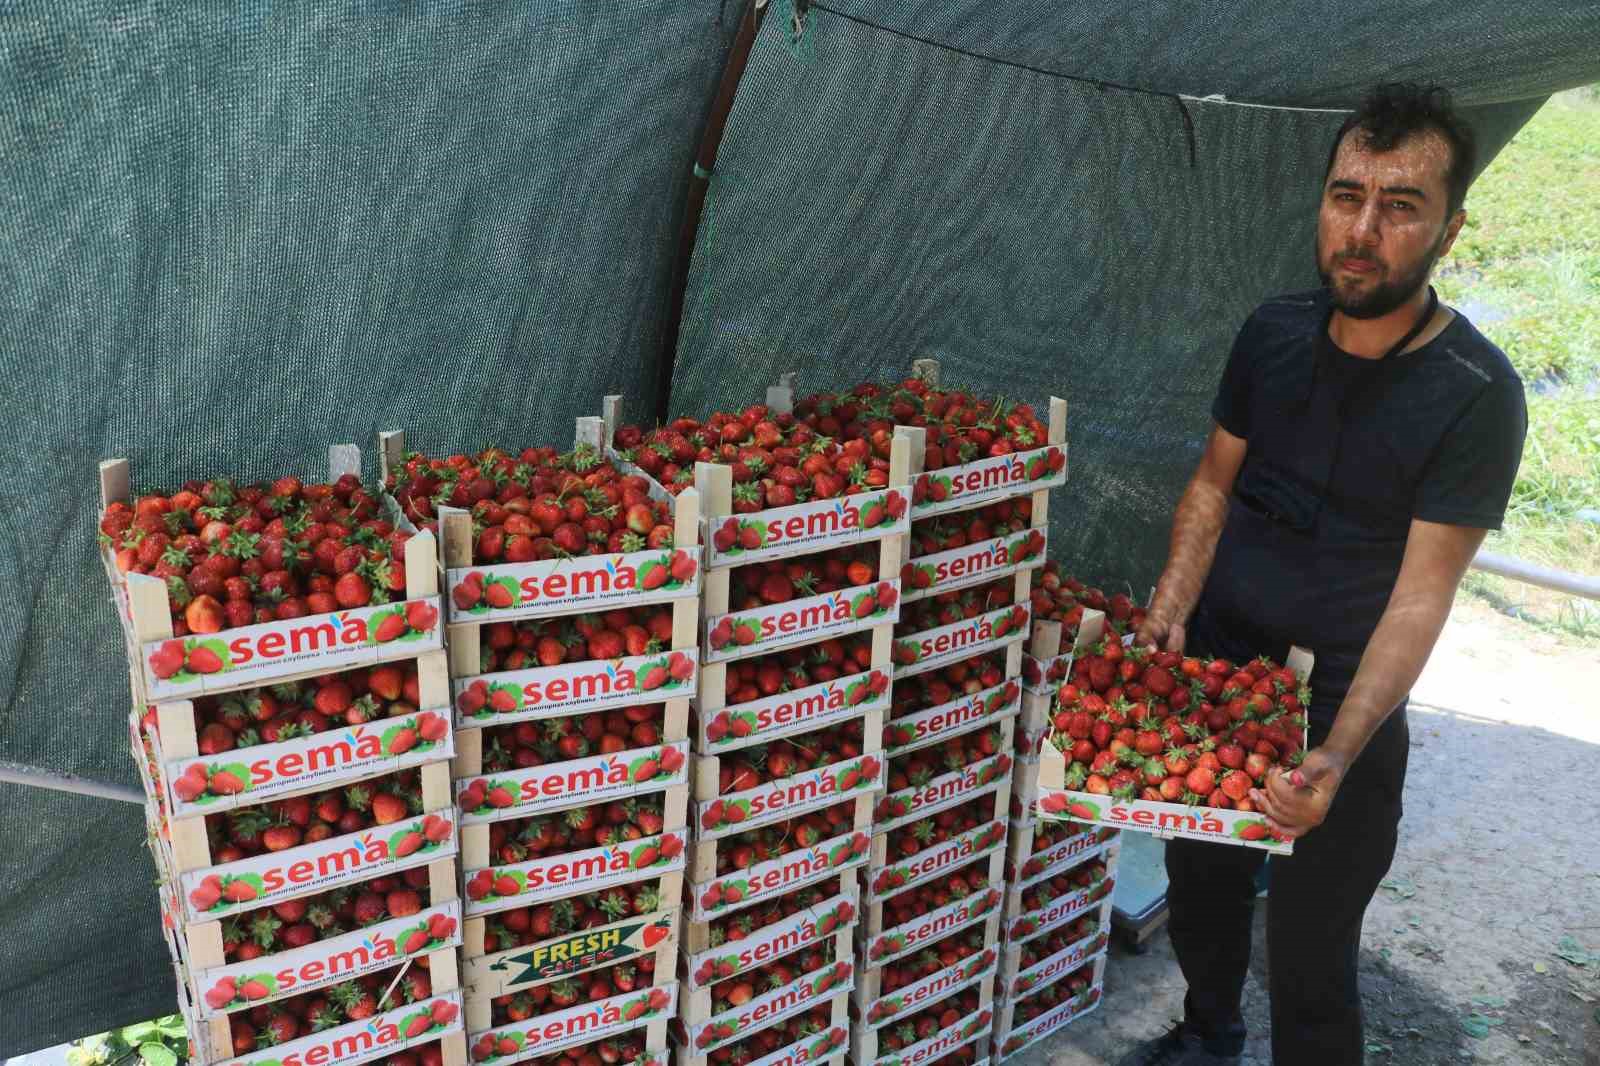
(1386, 295)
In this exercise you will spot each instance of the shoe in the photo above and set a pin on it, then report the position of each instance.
(1182, 1045)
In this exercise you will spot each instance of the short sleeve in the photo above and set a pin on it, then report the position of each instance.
(1468, 479)
(1231, 408)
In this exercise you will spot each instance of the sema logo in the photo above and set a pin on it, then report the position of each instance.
(933, 926)
(588, 682)
(574, 869)
(957, 851)
(790, 937)
(785, 1001)
(737, 535)
(943, 789)
(947, 640)
(732, 725)
(971, 561)
(987, 475)
(351, 858)
(481, 592)
(950, 716)
(802, 616)
(568, 1026)
(186, 659)
(933, 987)
(484, 795)
(803, 790)
(781, 873)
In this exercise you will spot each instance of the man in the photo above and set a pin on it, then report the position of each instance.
(1365, 439)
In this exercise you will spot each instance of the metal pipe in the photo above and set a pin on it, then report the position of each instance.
(33, 777)
(1544, 577)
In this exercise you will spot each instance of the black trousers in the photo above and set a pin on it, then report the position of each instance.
(1316, 902)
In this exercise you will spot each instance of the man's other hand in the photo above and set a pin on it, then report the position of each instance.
(1296, 802)
(1160, 633)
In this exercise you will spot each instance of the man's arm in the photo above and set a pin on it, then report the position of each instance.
(1195, 528)
(1436, 557)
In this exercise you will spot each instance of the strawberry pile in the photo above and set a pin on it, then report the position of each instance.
(942, 955)
(615, 980)
(236, 555)
(741, 989)
(267, 1025)
(790, 669)
(1091, 875)
(550, 740)
(535, 504)
(948, 608)
(1158, 726)
(938, 687)
(946, 532)
(960, 427)
(781, 580)
(542, 835)
(816, 1022)
(1054, 994)
(1063, 599)
(775, 460)
(935, 1019)
(282, 824)
(522, 926)
(538, 642)
(744, 850)
(940, 892)
(292, 709)
(735, 927)
(297, 923)
(788, 756)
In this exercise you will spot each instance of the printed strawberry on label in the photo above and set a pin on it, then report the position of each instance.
(1158, 726)
(234, 555)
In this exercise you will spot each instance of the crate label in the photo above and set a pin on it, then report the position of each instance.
(592, 779)
(803, 621)
(508, 591)
(935, 724)
(780, 875)
(207, 784)
(972, 564)
(973, 1027)
(959, 488)
(270, 878)
(800, 929)
(1165, 820)
(224, 989)
(916, 653)
(931, 989)
(499, 888)
(930, 863)
(582, 1024)
(1064, 855)
(384, 1034)
(893, 943)
(504, 972)
(796, 711)
(787, 797)
(1047, 1023)
(592, 685)
(250, 655)
(808, 1049)
(806, 527)
(946, 790)
(1061, 910)
(762, 1011)
(1060, 964)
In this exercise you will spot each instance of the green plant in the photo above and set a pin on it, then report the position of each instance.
(162, 1042)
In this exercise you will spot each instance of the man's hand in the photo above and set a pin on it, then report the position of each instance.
(1296, 802)
(1160, 633)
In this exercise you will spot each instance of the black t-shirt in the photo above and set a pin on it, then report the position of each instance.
(1343, 453)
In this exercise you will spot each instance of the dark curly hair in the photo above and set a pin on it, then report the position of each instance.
(1394, 112)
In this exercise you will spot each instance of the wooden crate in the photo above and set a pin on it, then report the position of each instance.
(486, 1048)
(885, 945)
(275, 651)
(709, 1033)
(815, 1050)
(557, 958)
(350, 1044)
(887, 879)
(950, 789)
(705, 964)
(934, 725)
(695, 1006)
(583, 1023)
(728, 893)
(877, 1008)
(866, 1045)
(1047, 664)
(1021, 866)
(929, 649)
(1011, 1037)
(1017, 981)
(875, 911)
(803, 710)
(1022, 926)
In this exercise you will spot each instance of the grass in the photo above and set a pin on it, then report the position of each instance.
(1526, 269)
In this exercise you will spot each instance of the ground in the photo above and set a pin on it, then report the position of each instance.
(1461, 958)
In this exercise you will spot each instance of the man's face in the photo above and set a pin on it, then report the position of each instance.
(1383, 224)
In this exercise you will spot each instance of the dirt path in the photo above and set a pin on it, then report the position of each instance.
(1460, 957)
